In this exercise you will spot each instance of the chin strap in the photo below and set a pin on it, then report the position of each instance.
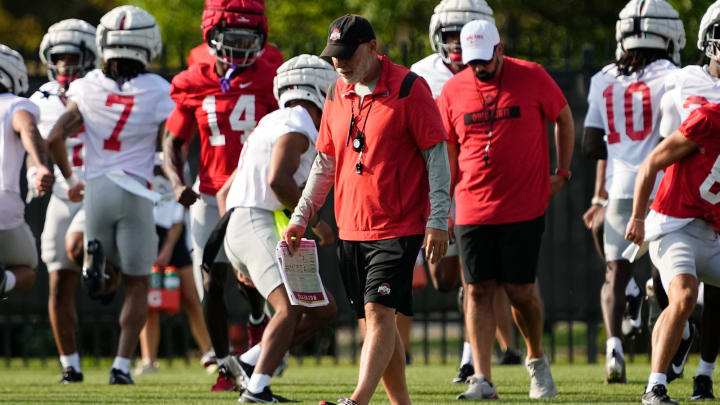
(225, 81)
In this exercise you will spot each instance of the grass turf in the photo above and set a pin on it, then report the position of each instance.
(310, 382)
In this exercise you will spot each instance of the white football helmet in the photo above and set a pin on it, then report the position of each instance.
(650, 24)
(450, 16)
(70, 36)
(13, 73)
(129, 32)
(305, 77)
(709, 32)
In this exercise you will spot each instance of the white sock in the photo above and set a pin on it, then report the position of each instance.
(466, 355)
(252, 355)
(9, 280)
(258, 382)
(614, 343)
(71, 360)
(122, 364)
(632, 289)
(256, 321)
(656, 379)
(221, 362)
(686, 331)
(705, 368)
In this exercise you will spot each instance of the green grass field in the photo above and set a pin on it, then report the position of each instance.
(309, 382)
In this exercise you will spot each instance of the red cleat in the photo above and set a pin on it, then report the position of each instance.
(225, 382)
(255, 332)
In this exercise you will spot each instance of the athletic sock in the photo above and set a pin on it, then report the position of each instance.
(122, 364)
(71, 360)
(614, 343)
(466, 355)
(258, 382)
(9, 280)
(705, 368)
(686, 331)
(632, 289)
(656, 379)
(251, 356)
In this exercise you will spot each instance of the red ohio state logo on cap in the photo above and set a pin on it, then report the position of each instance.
(335, 34)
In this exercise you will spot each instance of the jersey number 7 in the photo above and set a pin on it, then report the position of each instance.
(113, 143)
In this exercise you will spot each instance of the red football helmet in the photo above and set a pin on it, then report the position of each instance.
(236, 30)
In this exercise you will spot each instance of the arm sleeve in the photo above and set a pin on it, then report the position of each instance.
(423, 116)
(438, 167)
(319, 183)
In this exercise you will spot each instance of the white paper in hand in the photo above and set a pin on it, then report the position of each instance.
(301, 275)
(634, 251)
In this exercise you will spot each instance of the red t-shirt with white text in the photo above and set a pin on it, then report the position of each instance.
(690, 187)
(514, 185)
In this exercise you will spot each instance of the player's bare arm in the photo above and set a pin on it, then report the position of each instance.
(600, 196)
(284, 161)
(173, 162)
(24, 124)
(671, 150)
(564, 143)
(223, 193)
(594, 146)
(69, 123)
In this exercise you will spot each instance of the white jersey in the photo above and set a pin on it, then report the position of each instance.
(51, 107)
(628, 109)
(12, 152)
(121, 123)
(687, 89)
(434, 71)
(250, 187)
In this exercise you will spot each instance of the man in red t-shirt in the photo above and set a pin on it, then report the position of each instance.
(222, 100)
(382, 145)
(682, 229)
(495, 113)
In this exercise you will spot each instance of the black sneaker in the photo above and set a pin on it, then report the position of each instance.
(465, 371)
(658, 396)
(632, 319)
(702, 388)
(675, 369)
(117, 377)
(93, 275)
(70, 376)
(510, 357)
(264, 397)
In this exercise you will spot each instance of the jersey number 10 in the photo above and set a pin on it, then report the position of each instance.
(630, 131)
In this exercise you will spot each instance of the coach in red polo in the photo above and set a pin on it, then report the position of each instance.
(382, 145)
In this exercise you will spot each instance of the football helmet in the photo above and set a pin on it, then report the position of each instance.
(709, 32)
(305, 77)
(13, 73)
(129, 32)
(236, 30)
(450, 16)
(69, 36)
(650, 24)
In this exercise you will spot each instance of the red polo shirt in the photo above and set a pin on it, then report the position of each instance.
(514, 186)
(390, 198)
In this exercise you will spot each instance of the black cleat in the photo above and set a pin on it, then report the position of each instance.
(70, 376)
(465, 371)
(117, 377)
(658, 396)
(93, 275)
(702, 388)
(511, 357)
(677, 365)
(264, 397)
(632, 319)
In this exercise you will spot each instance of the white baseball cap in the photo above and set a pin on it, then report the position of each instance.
(477, 40)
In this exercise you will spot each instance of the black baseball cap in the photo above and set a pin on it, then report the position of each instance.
(345, 35)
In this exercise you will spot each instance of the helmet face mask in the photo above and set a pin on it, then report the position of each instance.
(712, 42)
(448, 18)
(69, 37)
(447, 41)
(237, 46)
(71, 68)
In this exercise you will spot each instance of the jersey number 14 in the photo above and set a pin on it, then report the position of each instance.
(242, 118)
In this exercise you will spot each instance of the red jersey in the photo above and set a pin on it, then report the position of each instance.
(389, 199)
(223, 120)
(514, 184)
(690, 187)
(201, 54)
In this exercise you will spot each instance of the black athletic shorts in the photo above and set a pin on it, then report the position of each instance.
(507, 253)
(180, 256)
(379, 272)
